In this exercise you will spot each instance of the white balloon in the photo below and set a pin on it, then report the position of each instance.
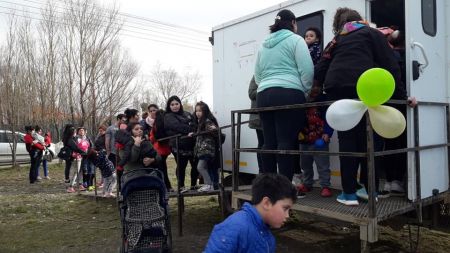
(387, 121)
(345, 114)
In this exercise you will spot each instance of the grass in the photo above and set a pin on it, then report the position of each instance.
(44, 218)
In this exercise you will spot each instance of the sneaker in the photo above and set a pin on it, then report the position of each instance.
(384, 194)
(397, 188)
(39, 178)
(70, 190)
(303, 188)
(326, 192)
(47, 177)
(362, 194)
(66, 181)
(206, 188)
(195, 187)
(81, 188)
(301, 195)
(348, 199)
(100, 186)
(109, 195)
(387, 186)
(184, 189)
(91, 188)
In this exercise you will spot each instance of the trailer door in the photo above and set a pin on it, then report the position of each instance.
(425, 69)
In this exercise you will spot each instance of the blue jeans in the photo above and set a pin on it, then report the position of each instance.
(44, 167)
(322, 165)
(208, 169)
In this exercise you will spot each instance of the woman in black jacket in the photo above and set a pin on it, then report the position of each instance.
(70, 142)
(177, 121)
(355, 48)
(138, 151)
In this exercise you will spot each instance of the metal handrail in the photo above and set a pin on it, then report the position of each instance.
(370, 154)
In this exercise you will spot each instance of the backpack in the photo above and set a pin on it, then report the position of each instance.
(65, 153)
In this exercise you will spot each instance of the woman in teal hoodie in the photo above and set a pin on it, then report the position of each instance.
(284, 74)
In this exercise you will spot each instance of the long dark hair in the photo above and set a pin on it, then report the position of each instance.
(206, 114)
(68, 132)
(159, 125)
(172, 98)
(130, 113)
(283, 20)
(342, 16)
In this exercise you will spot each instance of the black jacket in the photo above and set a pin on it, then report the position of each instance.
(180, 123)
(134, 156)
(100, 143)
(353, 54)
(72, 144)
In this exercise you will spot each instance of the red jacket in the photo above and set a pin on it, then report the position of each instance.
(28, 139)
(163, 149)
(48, 139)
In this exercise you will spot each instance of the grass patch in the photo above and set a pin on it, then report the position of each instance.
(44, 218)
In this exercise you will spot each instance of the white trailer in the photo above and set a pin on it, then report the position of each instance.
(236, 44)
(427, 63)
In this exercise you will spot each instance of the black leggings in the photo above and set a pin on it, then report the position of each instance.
(163, 168)
(182, 161)
(281, 128)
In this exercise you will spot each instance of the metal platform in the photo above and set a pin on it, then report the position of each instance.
(313, 203)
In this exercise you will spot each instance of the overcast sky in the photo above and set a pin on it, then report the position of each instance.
(200, 15)
(179, 48)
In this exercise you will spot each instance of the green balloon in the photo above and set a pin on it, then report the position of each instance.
(375, 86)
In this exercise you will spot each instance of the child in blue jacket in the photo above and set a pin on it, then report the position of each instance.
(248, 230)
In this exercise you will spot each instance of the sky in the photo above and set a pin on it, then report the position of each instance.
(199, 15)
(173, 33)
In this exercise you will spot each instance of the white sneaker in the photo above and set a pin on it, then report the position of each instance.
(397, 188)
(206, 188)
(184, 189)
(387, 186)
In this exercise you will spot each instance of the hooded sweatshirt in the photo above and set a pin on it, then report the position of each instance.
(284, 61)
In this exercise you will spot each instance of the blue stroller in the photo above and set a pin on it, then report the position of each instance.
(144, 212)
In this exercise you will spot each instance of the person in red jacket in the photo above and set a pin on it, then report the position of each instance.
(35, 149)
(47, 141)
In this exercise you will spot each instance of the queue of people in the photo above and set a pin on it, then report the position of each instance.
(292, 70)
(132, 143)
(284, 75)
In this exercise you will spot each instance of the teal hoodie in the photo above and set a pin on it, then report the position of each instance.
(284, 61)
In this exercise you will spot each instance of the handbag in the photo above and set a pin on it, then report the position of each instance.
(65, 153)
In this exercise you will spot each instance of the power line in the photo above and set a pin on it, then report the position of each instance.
(142, 18)
(178, 36)
(165, 27)
(128, 35)
(124, 30)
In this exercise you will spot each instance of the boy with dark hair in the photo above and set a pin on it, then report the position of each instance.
(248, 230)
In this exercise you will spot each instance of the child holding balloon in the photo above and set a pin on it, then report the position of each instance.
(315, 137)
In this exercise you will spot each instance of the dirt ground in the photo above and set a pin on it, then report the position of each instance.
(44, 218)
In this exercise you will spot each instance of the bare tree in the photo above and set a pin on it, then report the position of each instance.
(168, 82)
(67, 67)
(115, 87)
